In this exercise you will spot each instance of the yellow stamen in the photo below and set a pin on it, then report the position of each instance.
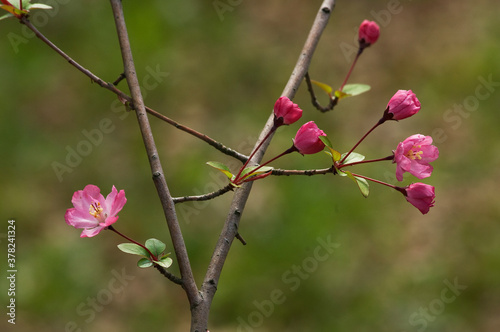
(95, 210)
(411, 154)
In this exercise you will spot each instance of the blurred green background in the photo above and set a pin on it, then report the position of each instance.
(391, 269)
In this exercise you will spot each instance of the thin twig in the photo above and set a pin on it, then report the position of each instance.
(168, 274)
(188, 282)
(308, 172)
(123, 97)
(204, 197)
(314, 100)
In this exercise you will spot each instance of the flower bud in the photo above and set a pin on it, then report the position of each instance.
(307, 139)
(369, 32)
(414, 155)
(402, 105)
(420, 195)
(286, 112)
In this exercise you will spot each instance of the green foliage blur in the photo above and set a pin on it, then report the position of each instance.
(220, 71)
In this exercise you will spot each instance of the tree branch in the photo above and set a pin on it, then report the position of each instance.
(188, 282)
(123, 97)
(308, 172)
(230, 229)
(204, 197)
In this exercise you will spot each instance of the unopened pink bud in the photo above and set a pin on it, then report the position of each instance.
(421, 196)
(369, 32)
(286, 112)
(402, 105)
(307, 139)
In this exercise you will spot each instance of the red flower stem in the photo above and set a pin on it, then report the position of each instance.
(360, 50)
(376, 181)
(111, 228)
(362, 138)
(273, 128)
(391, 157)
(290, 150)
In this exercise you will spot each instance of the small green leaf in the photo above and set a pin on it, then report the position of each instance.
(353, 158)
(6, 16)
(336, 156)
(221, 167)
(165, 262)
(144, 263)
(340, 94)
(262, 170)
(38, 6)
(325, 141)
(134, 249)
(355, 89)
(363, 185)
(155, 246)
(325, 87)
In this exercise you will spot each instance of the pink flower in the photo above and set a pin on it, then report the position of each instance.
(414, 155)
(92, 212)
(307, 139)
(369, 32)
(402, 105)
(286, 112)
(420, 195)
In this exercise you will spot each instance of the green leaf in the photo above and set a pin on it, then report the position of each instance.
(325, 87)
(340, 94)
(165, 262)
(38, 6)
(353, 158)
(334, 154)
(155, 246)
(325, 141)
(134, 249)
(355, 89)
(221, 167)
(6, 16)
(363, 185)
(144, 263)
(262, 170)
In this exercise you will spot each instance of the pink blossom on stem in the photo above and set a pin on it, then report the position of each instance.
(414, 155)
(420, 195)
(286, 112)
(92, 212)
(307, 139)
(402, 105)
(369, 32)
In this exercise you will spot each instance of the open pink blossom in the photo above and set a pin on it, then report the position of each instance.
(369, 32)
(307, 139)
(414, 155)
(402, 105)
(420, 195)
(286, 112)
(92, 212)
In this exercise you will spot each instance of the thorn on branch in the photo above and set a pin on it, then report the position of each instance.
(242, 240)
(119, 79)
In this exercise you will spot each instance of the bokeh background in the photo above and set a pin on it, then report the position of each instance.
(219, 72)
